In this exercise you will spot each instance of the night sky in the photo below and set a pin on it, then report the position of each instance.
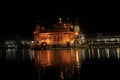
(20, 18)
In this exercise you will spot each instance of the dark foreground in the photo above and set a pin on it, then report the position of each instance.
(17, 70)
(90, 70)
(101, 69)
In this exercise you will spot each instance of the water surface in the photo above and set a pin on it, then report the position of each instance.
(77, 64)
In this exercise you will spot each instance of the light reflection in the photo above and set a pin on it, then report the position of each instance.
(49, 59)
(10, 54)
(89, 53)
(118, 53)
(66, 61)
(83, 54)
(78, 59)
(31, 52)
(60, 57)
(107, 52)
(98, 51)
(15, 54)
(92, 52)
(56, 57)
(62, 77)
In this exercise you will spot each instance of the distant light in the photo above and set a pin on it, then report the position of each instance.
(32, 41)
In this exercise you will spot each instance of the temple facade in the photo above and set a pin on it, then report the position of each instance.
(63, 33)
(67, 33)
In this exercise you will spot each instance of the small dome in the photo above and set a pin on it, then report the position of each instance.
(77, 28)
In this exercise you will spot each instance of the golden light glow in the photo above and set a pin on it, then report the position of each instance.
(52, 37)
(77, 57)
(48, 41)
(76, 33)
(68, 40)
(48, 58)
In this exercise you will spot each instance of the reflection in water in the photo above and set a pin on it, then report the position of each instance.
(15, 54)
(117, 53)
(17, 63)
(59, 64)
(65, 62)
(10, 54)
(57, 57)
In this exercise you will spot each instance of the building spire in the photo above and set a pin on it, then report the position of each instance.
(60, 20)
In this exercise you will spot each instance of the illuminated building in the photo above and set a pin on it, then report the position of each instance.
(64, 33)
(69, 34)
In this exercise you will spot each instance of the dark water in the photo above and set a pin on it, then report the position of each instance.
(16, 64)
(80, 64)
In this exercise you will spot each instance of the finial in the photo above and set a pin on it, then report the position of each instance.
(60, 20)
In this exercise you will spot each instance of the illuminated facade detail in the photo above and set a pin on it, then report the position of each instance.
(77, 28)
(69, 34)
(63, 34)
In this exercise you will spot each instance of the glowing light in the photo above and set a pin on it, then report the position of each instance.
(32, 42)
(71, 26)
(60, 20)
(76, 33)
(77, 57)
(48, 41)
(48, 59)
(68, 40)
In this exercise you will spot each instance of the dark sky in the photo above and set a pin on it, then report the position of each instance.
(20, 17)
